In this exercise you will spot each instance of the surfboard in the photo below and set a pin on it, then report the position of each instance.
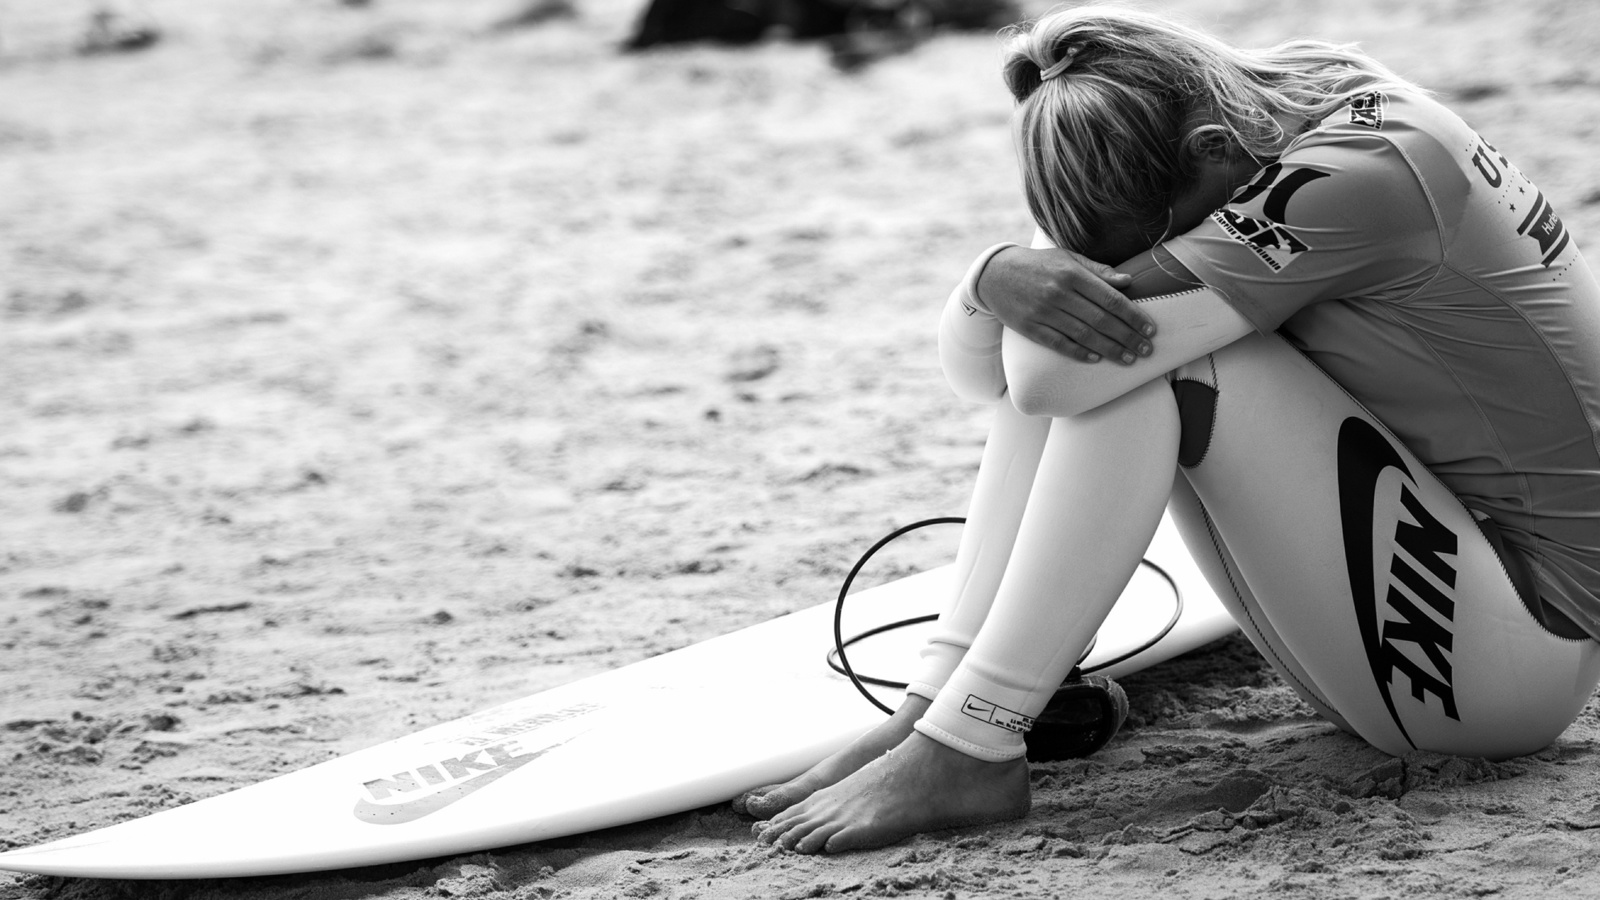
(683, 730)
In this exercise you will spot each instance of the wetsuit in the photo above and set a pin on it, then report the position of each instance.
(1383, 400)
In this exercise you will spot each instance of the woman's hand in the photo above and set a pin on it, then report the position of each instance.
(1066, 302)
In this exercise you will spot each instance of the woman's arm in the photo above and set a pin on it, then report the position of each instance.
(982, 360)
(1044, 383)
(1193, 320)
(969, 339)
(1067, 302)
(1060, 300)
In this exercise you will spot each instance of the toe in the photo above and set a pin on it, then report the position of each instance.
(855, 837)
(817, 839)
(772, 831)
(768, 803)
(785, 817)
(797, 832)
(741, 803)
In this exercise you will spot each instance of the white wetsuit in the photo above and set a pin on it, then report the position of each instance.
(1384, 402)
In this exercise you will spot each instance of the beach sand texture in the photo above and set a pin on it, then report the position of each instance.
(365, 365)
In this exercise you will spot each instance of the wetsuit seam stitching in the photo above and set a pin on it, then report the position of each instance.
(1433, 210)
(1227, 571)
(1539, 560)
(1503, 455)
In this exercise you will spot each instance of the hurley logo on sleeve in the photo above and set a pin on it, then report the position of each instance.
(1270, 236)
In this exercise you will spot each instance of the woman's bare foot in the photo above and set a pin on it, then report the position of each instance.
(921, 786)
(766, 802)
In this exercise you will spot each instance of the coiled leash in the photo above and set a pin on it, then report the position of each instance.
(1083, 714)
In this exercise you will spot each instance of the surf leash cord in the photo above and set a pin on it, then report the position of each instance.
(839, 661)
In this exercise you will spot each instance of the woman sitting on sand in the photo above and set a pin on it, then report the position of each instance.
(1378, 373)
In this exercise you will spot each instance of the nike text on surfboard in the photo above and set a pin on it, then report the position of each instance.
(440, 784)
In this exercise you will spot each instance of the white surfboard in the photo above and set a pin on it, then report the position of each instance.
(679, 731)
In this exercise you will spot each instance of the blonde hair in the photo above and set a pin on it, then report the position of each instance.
(1116, 106)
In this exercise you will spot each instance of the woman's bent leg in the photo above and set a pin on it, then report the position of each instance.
(1005, 481)
(1005, 477)
(1096, 501)
(1097, 498)
(1366, 571)
(1222, 573)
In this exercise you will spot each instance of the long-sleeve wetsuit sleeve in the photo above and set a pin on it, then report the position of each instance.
(984, 361)
(970, 339)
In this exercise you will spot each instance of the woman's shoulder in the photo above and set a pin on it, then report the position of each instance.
(1396, 118)
(1385, 136)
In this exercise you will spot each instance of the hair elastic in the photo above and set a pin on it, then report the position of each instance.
(1061, 65)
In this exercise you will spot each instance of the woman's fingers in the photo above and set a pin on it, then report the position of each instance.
(1087, 341)
(1111, 315)
(1068, 303)
(1088, 333)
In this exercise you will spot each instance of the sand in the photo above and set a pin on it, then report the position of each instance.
(363, 366)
